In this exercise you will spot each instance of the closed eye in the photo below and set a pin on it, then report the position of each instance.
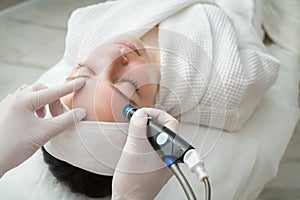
(128, 88)
(133, 82)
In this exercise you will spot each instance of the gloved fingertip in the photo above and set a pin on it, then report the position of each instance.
(79, 114)
(139, 118)
(78, 83)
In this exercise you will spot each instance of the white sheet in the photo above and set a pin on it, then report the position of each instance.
(281, 23)
(239, 165)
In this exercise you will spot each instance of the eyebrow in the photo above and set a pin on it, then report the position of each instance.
(87, 66)
(70, 78)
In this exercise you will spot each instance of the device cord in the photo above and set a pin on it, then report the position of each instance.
(207, 189)
(182, 180)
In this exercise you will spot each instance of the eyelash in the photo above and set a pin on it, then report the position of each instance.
(132, 81)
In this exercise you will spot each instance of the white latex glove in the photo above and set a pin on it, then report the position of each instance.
(22, 131)
(140, 172)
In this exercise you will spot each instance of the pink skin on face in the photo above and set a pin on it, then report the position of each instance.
(116, 74)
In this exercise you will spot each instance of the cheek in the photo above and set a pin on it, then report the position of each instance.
(117, 105)
(148, 94)
(108, 104)
(148, 78)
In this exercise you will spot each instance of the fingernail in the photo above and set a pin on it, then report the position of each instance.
(80, 113)
(79, 82)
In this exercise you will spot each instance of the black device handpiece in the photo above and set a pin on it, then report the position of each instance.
(169, 146)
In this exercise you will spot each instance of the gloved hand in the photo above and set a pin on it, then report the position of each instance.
(140, 173)
(22, 131)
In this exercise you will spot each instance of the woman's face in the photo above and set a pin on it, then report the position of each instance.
(116, 74)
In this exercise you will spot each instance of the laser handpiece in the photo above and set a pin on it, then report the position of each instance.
(169, 146)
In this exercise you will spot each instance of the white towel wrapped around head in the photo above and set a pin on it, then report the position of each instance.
(205, 78)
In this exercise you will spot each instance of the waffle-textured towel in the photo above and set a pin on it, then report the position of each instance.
(205, 77)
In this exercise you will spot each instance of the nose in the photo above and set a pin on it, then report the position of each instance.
(120, 59)
(118, 56)
(123, 58)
